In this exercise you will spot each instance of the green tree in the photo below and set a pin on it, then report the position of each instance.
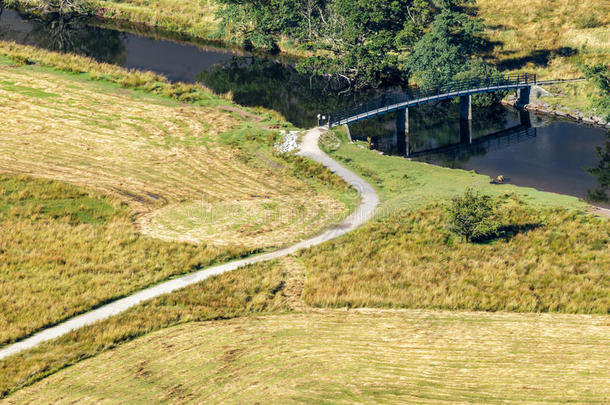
(446, 49)
(599, 75)
(476, 69)
(472, 216)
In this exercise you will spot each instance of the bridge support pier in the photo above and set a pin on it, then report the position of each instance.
(466, 107)
(349, 133)
(402, 128)
(524, 117)
(523, 97)
(466, 132)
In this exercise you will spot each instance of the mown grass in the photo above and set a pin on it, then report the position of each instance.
(357, 357)
(256, 289)
(64, 250)
(170, 170)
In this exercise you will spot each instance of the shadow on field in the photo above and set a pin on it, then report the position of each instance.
(539, 57)
(507, 232)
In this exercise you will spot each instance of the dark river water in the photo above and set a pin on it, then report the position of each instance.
(528, 150)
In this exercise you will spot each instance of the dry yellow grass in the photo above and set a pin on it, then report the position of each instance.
(357, 357)
(552, 260)
(154, 154)
(532, 33)
(162, 163)
(194, 18)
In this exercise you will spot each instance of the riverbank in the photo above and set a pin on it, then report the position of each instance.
(543, 101)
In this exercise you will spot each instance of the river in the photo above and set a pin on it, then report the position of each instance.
(535, 151)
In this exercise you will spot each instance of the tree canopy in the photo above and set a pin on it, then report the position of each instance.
(364, 42)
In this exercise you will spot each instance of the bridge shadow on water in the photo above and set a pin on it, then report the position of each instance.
(468, 145)
(437, 134)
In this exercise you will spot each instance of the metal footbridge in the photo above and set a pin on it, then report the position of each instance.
(522, 82)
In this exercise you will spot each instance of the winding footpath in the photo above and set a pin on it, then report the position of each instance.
(309, 148)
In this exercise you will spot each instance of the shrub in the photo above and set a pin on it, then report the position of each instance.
(472, 216)
(588, 21)
(65, 7)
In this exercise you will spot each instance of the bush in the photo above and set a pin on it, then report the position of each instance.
(588, 21)
(66, 7)
(472, 216)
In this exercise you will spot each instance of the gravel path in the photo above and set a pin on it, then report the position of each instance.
(309, 148)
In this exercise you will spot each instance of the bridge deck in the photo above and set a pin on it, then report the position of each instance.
(452, 90)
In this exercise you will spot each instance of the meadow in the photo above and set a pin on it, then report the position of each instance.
(551, 254)
(161, 187)
(348, 357)
(550, 38)
(94, 207)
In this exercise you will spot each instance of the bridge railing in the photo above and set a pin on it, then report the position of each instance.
(451, 88)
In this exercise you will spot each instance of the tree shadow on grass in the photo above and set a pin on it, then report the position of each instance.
(539, 57)
(507, 232)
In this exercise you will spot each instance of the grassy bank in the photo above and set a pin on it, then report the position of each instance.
(547, 261)
(170, 171)
(337, 357)
(552, 256)
(404, 184)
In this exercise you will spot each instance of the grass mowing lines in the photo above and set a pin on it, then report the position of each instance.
(65, 267)
(123, 159)
(252, 290)
(334, 356)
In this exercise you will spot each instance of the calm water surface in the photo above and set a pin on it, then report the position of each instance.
(533, 151)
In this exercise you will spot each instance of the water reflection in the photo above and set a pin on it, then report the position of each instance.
(277, 85)
(549, 155)
(65, 34)
(601, 192)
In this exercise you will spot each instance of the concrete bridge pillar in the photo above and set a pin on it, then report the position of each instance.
(402, 128)
(466, 107)
(402, 121)
(523, 97)
(349, 133)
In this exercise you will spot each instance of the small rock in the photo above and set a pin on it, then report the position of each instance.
(288, 143)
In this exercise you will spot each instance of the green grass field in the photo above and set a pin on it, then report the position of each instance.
(349, 357)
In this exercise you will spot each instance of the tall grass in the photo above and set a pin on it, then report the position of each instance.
(551, 260)
(134, 79)
(551, 38)
(166, 170)
(64, 250)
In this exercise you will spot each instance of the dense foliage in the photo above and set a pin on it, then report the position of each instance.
(364, 42)
(472, 216)
(599, 75)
